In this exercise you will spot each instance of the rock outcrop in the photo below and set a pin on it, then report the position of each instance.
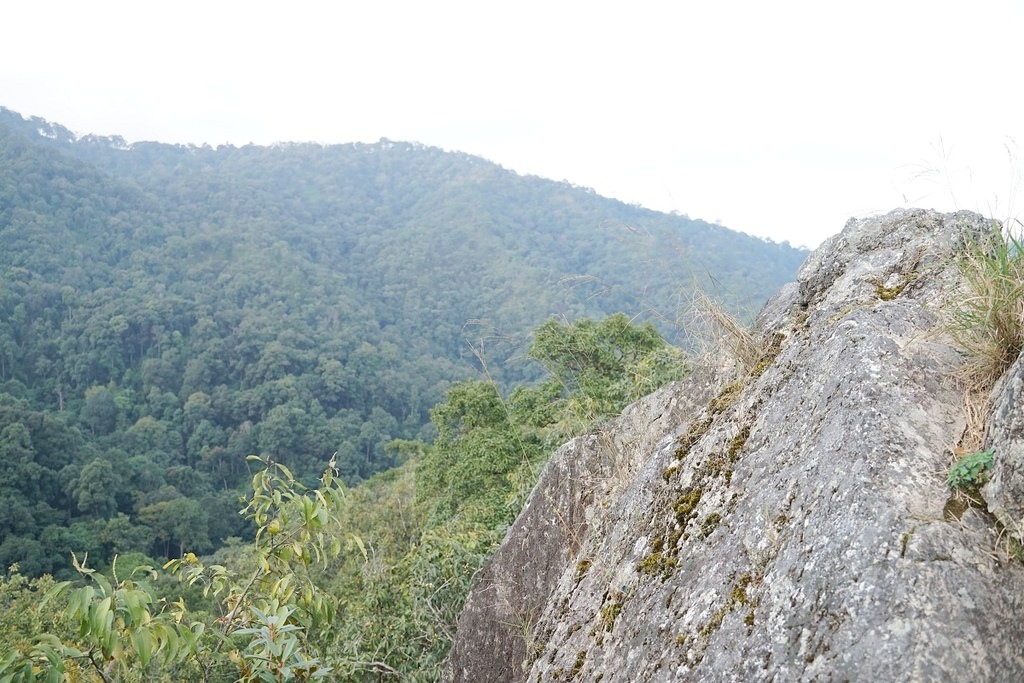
(784, 522)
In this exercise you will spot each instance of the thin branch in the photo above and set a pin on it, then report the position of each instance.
(99, 669)
(381, 667)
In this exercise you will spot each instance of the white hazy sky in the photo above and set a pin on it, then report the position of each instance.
(779, 119)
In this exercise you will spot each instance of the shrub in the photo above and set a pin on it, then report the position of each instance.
(119, 629)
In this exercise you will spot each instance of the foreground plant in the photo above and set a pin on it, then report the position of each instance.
(123, 632)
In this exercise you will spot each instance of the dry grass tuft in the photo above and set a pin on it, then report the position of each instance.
(988, 322)
(721, 335)
(718, 331)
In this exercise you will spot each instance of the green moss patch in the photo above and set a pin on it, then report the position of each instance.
(657, 564)
(771, 352)
(737, 598)
(692, 435)
(889, 293)
(710, 524)
(726, 398)
(685, 505)
(737, 444)
(581, 657)
(611, 612)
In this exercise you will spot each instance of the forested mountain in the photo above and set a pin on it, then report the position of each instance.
(166, 310)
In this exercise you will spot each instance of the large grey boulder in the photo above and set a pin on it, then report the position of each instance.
(789, 523)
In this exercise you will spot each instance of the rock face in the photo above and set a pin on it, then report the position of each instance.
(1005, 492)
(787, 522)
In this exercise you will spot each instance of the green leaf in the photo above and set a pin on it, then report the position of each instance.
(54, 592)
(143, 646)
(103, 582)
(289, 477)
(359, 544)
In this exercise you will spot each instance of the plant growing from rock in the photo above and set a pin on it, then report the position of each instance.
(970, 471)
(719, 331)
(988, 323)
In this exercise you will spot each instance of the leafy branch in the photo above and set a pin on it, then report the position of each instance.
(123, 628)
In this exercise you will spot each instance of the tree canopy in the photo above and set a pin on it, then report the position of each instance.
(293, 606)
(167, 310)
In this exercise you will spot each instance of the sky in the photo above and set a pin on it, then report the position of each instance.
(779, 119)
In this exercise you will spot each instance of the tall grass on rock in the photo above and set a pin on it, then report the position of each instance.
(988, 322)
(724, 337)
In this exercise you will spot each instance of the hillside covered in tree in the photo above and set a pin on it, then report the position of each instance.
(166, 310)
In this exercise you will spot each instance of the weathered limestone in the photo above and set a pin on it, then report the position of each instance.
(788, 524)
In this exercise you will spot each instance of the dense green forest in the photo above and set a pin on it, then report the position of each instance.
(361, 585)
(424, 320)
(166, 310)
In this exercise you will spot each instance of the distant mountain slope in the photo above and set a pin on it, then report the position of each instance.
(396, 242)
(396, 215)
(184, 306)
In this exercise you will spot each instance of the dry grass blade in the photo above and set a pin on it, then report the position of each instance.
(718, 328)
(976, 405)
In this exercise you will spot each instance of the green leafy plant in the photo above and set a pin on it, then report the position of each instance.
(597, 368)
(115, 630)
(971, 470)
(122, 631)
